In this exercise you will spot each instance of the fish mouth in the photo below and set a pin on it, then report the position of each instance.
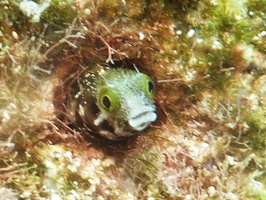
(142, 120)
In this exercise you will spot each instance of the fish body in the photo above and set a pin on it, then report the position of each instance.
(113, 103)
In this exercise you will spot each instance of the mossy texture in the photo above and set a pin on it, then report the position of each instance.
(208, 61)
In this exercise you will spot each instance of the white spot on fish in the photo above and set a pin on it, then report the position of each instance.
(100, 119)
(81, 110)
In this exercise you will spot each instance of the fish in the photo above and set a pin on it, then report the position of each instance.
(112, 103)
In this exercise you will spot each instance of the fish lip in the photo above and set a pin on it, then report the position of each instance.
(141, 114)
(142, 120)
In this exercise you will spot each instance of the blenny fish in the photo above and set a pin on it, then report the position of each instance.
(114, 103)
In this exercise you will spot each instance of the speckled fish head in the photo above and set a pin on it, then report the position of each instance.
(125, 100)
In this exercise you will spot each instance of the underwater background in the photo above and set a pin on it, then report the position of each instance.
(207, 59)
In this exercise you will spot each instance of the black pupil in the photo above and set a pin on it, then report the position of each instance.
(150, 87)
(106, 102)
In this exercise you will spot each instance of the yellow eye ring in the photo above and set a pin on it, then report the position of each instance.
(109, 99)
(106, 102)
(147, 84)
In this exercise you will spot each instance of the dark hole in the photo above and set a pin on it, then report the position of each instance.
(106, 102)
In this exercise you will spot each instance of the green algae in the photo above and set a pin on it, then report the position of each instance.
(59, 15)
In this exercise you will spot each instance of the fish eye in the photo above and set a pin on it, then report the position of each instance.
(106, 102)
(150, 87)
(109, 99)
(147, 85)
